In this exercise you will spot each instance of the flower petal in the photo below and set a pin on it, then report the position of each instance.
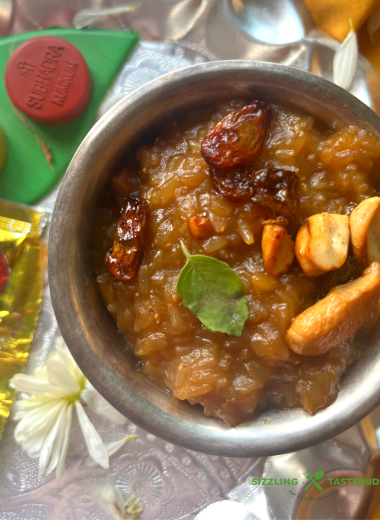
(89, 17)
(34, 428)
(52, 437)
(111, 501)
(65, 443)
(37, 418)
(112, 448)
(99, 405)
(41, 373)
(94, 443)
(21, 407)
(60, 375)
(345, 61)
(68, 359)
(32, 385)
(60, 447)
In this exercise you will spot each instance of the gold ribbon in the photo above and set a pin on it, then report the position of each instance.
(20, 301)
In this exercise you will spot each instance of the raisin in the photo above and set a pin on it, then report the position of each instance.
(276, 189)
(126, 183)
(235, 184)
(238, 138)
(200, 227)
(349, 271)
(123, 258)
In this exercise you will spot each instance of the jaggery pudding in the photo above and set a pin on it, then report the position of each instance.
(238, 253)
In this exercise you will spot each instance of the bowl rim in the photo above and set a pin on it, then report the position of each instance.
(243, 440)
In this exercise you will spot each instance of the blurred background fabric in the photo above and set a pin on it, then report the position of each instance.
(332, 17)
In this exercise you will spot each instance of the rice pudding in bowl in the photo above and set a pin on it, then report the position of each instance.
(105, 355)
(265, 193)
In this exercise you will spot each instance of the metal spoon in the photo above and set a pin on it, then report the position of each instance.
(271, 21)
(267, 21)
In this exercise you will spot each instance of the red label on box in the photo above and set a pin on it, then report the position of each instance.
(48, 80)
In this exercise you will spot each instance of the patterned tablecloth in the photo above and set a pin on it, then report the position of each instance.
(174, 483)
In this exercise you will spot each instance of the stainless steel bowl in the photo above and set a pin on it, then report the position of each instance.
(84, 321)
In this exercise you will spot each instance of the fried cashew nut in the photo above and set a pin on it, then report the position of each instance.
(124, 255)
(200, 227)
(322, 243)
(277, 247)
(302, 245)
(336, 317)
(365, 231)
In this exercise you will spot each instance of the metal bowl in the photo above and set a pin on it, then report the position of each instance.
(87, 326)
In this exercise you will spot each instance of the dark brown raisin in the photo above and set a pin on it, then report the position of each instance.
(235, 184)
(276, 189)
(349, 271)
(126, 183)
(123, 258)
(238, 138)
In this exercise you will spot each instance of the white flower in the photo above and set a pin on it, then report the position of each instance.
(89, 17)
(99, 405)
(346, 60)
(112, 448)
(133, 508)
(112, 502)
(45, 415)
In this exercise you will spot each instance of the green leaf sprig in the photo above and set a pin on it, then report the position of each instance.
(213, 292)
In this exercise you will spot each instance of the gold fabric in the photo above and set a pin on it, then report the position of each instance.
(25, 252)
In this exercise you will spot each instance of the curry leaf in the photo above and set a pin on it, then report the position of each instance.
(214, 293)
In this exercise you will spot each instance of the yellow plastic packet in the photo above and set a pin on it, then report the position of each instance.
(23, 257)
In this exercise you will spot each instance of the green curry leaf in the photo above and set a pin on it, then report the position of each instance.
(214, 293)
